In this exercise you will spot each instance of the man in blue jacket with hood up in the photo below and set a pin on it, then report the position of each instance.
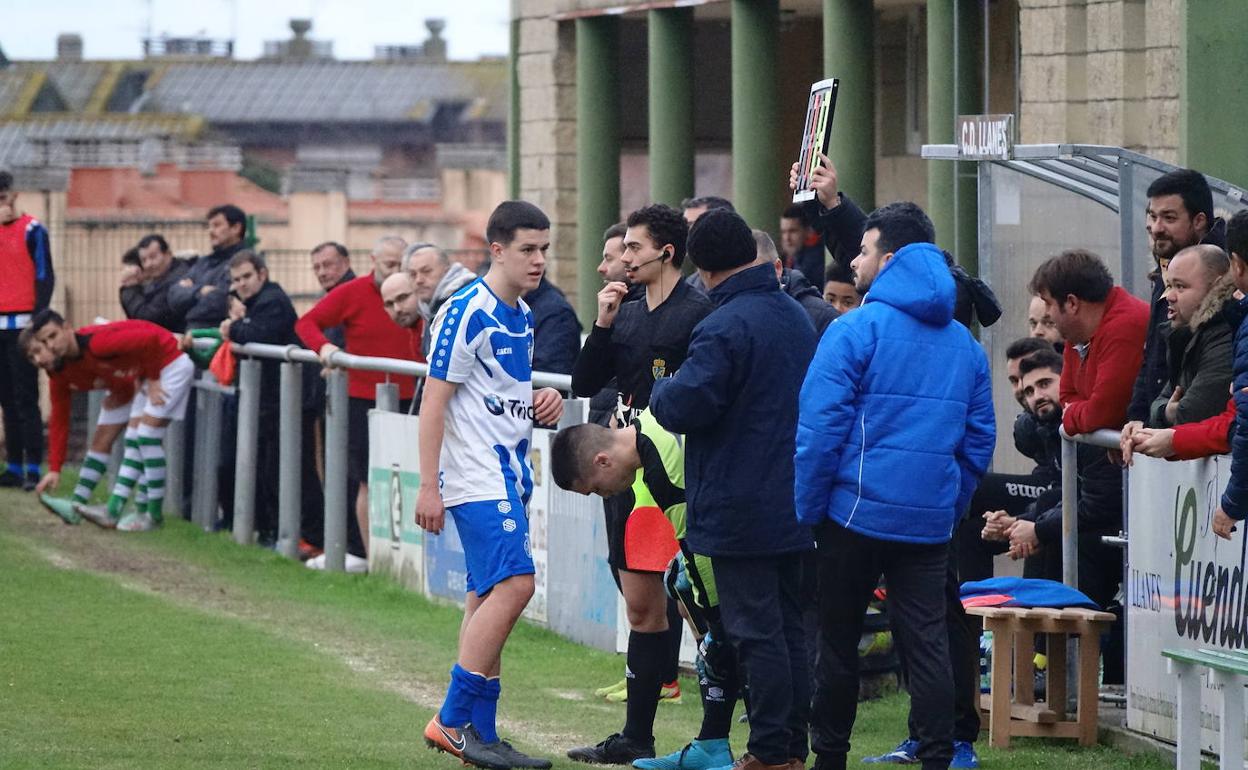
(735, 399)
(895, 428)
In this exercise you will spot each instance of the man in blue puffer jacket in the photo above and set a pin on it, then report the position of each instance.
(895, 428)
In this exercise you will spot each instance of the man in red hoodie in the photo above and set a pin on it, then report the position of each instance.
(148, 378)
(356, 306)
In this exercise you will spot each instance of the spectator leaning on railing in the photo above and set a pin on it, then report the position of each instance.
(434, 278)
(261, 311)
(1234, 505)
(1210, 436)
(148, 298)
(357, 307)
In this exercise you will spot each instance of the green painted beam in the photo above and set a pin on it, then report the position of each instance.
(513, 112)
(670, 33)
(849, 54)
(1213, 96)
(757, 178)
(597, 150)
(952, 26)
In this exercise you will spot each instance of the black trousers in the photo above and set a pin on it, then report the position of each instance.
(759, 604)
(19, 400)
(963, 635)
(312, 520)
(850, 566)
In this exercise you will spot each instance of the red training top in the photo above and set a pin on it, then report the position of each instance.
(356, 306)
(1210, 436)
(114, 356)
(23, 260)
(1096, 388)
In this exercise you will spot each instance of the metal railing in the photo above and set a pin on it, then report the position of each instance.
(1108, 439)
(207, 441)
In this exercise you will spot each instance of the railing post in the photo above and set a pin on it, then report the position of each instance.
(245, 451)
(290, 488)
(175, 451)
(1070, 512)
(387, 397)
(207, 452)
(336, 471)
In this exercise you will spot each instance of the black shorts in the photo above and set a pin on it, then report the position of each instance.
(638, 539)
(357, 437)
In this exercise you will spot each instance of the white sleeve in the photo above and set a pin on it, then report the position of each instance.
(454, 340)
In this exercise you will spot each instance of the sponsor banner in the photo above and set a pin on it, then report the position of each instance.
(397, 544)
(1185, 587)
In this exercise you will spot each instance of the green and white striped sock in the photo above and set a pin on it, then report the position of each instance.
(93, 469)
(153, 451)
(129, 475)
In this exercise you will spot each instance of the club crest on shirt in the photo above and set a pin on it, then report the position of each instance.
(659, 368)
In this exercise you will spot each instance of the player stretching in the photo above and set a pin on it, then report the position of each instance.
(117, 356)
(476, 422)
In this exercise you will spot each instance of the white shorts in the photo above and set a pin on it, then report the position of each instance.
(175, 381)
(118, 415)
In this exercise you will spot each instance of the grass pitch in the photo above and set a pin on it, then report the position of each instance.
(179, 649)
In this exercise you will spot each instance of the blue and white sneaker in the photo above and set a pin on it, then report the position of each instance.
(964, 755)
(902, 755)
(697, 755)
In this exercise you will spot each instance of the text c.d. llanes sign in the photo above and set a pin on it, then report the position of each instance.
(985, 137)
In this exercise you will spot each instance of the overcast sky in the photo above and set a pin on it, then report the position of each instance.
(114, 29)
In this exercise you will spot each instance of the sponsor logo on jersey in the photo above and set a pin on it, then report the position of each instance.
(494, 404)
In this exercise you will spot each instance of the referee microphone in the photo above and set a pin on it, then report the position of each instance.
(665, 254)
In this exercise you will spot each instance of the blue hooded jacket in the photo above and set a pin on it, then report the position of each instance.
(1235, 498)
(895, 420)
(735, 400)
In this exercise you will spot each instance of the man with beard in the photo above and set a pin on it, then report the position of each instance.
(126, 356)
(1179, 214)
(1040, 323)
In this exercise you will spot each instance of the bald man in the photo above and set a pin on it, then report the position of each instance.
(401, 301)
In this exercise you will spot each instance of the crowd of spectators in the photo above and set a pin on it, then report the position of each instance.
(767, 352)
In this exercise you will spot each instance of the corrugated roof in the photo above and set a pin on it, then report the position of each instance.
(325, 91)
(75, 81)
(10, 88)
(15, 150)
(109, 127)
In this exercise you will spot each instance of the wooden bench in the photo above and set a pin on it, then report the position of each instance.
(1011, 703)
(1227, 671)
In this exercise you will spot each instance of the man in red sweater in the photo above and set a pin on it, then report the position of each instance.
(357, 307)
(148, 378)
(1104, 329)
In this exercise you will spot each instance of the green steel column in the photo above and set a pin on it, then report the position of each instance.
(1213, 96)
(757, 170)
(849, 54)
(671, 104)
(950, 93)
(513, 113)
(597, 150)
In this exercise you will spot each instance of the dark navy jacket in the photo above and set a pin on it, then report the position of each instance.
(1235, 498)
(735, 399)
(556, 332)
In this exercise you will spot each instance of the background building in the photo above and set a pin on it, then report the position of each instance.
(619, 103)
(316, 148)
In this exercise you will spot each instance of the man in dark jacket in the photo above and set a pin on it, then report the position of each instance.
(794, 283)
(735, 399)
(202, 297)
(260, 311)
(1199, 338)
(800, 245)
(603, 403)
(896, 390)
(1180, 214)
(556, 332)
(149, 299)
(1234, 504)
(841, 222)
